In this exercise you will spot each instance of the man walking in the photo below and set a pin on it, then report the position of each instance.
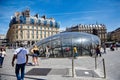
(21, 56)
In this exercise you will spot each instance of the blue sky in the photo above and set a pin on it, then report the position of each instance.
(67, 12)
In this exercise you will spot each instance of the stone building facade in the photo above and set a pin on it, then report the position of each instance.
(27, 29)
(115, 35)
(97, 29)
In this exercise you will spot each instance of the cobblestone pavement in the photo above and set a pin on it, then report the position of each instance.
(61, 68)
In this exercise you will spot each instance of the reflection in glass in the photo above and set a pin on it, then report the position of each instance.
(61, 45)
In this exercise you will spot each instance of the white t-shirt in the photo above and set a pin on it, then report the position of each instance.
(21, 56)
(3, 54)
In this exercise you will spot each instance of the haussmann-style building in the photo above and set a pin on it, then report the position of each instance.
(27, 29)
(115, 35)
(97, 29)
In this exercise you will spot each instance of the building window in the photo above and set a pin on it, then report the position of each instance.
(44, 32)
(51, 33)
(37, 27)
(37, 32)
(21, 27)
(32, 32)
(16, 26)
(41, 27)
(33, 36)
(48, 33)
(45, 23)
(37, 36)
(40, 36)
(21, 36)
(57, 25)
(28, 36)
(21, 31)
(28, 27)
(16, 32)
(32, 27)
(44, 28)
(44, 36)
(39, 22)
(51, 23)
(49, 28)
(32, 21)
(16, 36)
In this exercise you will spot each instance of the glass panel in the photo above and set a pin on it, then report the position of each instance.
(66, 47)
(55, 48)
(62, 44)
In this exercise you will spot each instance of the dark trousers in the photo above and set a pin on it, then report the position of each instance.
(99, 53)
(17, 71)
(1, 60)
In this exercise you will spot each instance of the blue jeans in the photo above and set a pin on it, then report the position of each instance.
(75, 55)
(1, 60)
(17, 70)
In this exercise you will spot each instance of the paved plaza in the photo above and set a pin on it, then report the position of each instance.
(61, 68)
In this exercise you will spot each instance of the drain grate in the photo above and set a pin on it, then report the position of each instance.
(47, 71)
(39, 71)
(86, 73)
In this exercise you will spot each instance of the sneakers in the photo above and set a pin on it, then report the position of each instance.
(33, 64)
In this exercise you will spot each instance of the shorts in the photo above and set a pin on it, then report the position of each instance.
(35, 55)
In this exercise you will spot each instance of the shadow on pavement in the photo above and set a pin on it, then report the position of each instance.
(15, 76)
(7, 75)
(34, 78)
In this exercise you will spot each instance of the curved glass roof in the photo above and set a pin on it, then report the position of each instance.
(76, 37)
(58, 43)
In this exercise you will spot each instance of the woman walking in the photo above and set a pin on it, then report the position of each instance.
(2, 55)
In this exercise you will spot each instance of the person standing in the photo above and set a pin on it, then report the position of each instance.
(21, 57)
(103, 48)
(47, 51)
(2, 55)
(98, 50)
(75, 51)
(35, 54)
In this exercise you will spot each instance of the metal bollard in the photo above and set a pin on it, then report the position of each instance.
(95, 62)
(72, 67)
(104, 68)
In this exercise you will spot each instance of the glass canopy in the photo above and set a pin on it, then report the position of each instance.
(61, 45)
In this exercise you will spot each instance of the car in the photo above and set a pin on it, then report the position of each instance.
(118, 45)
